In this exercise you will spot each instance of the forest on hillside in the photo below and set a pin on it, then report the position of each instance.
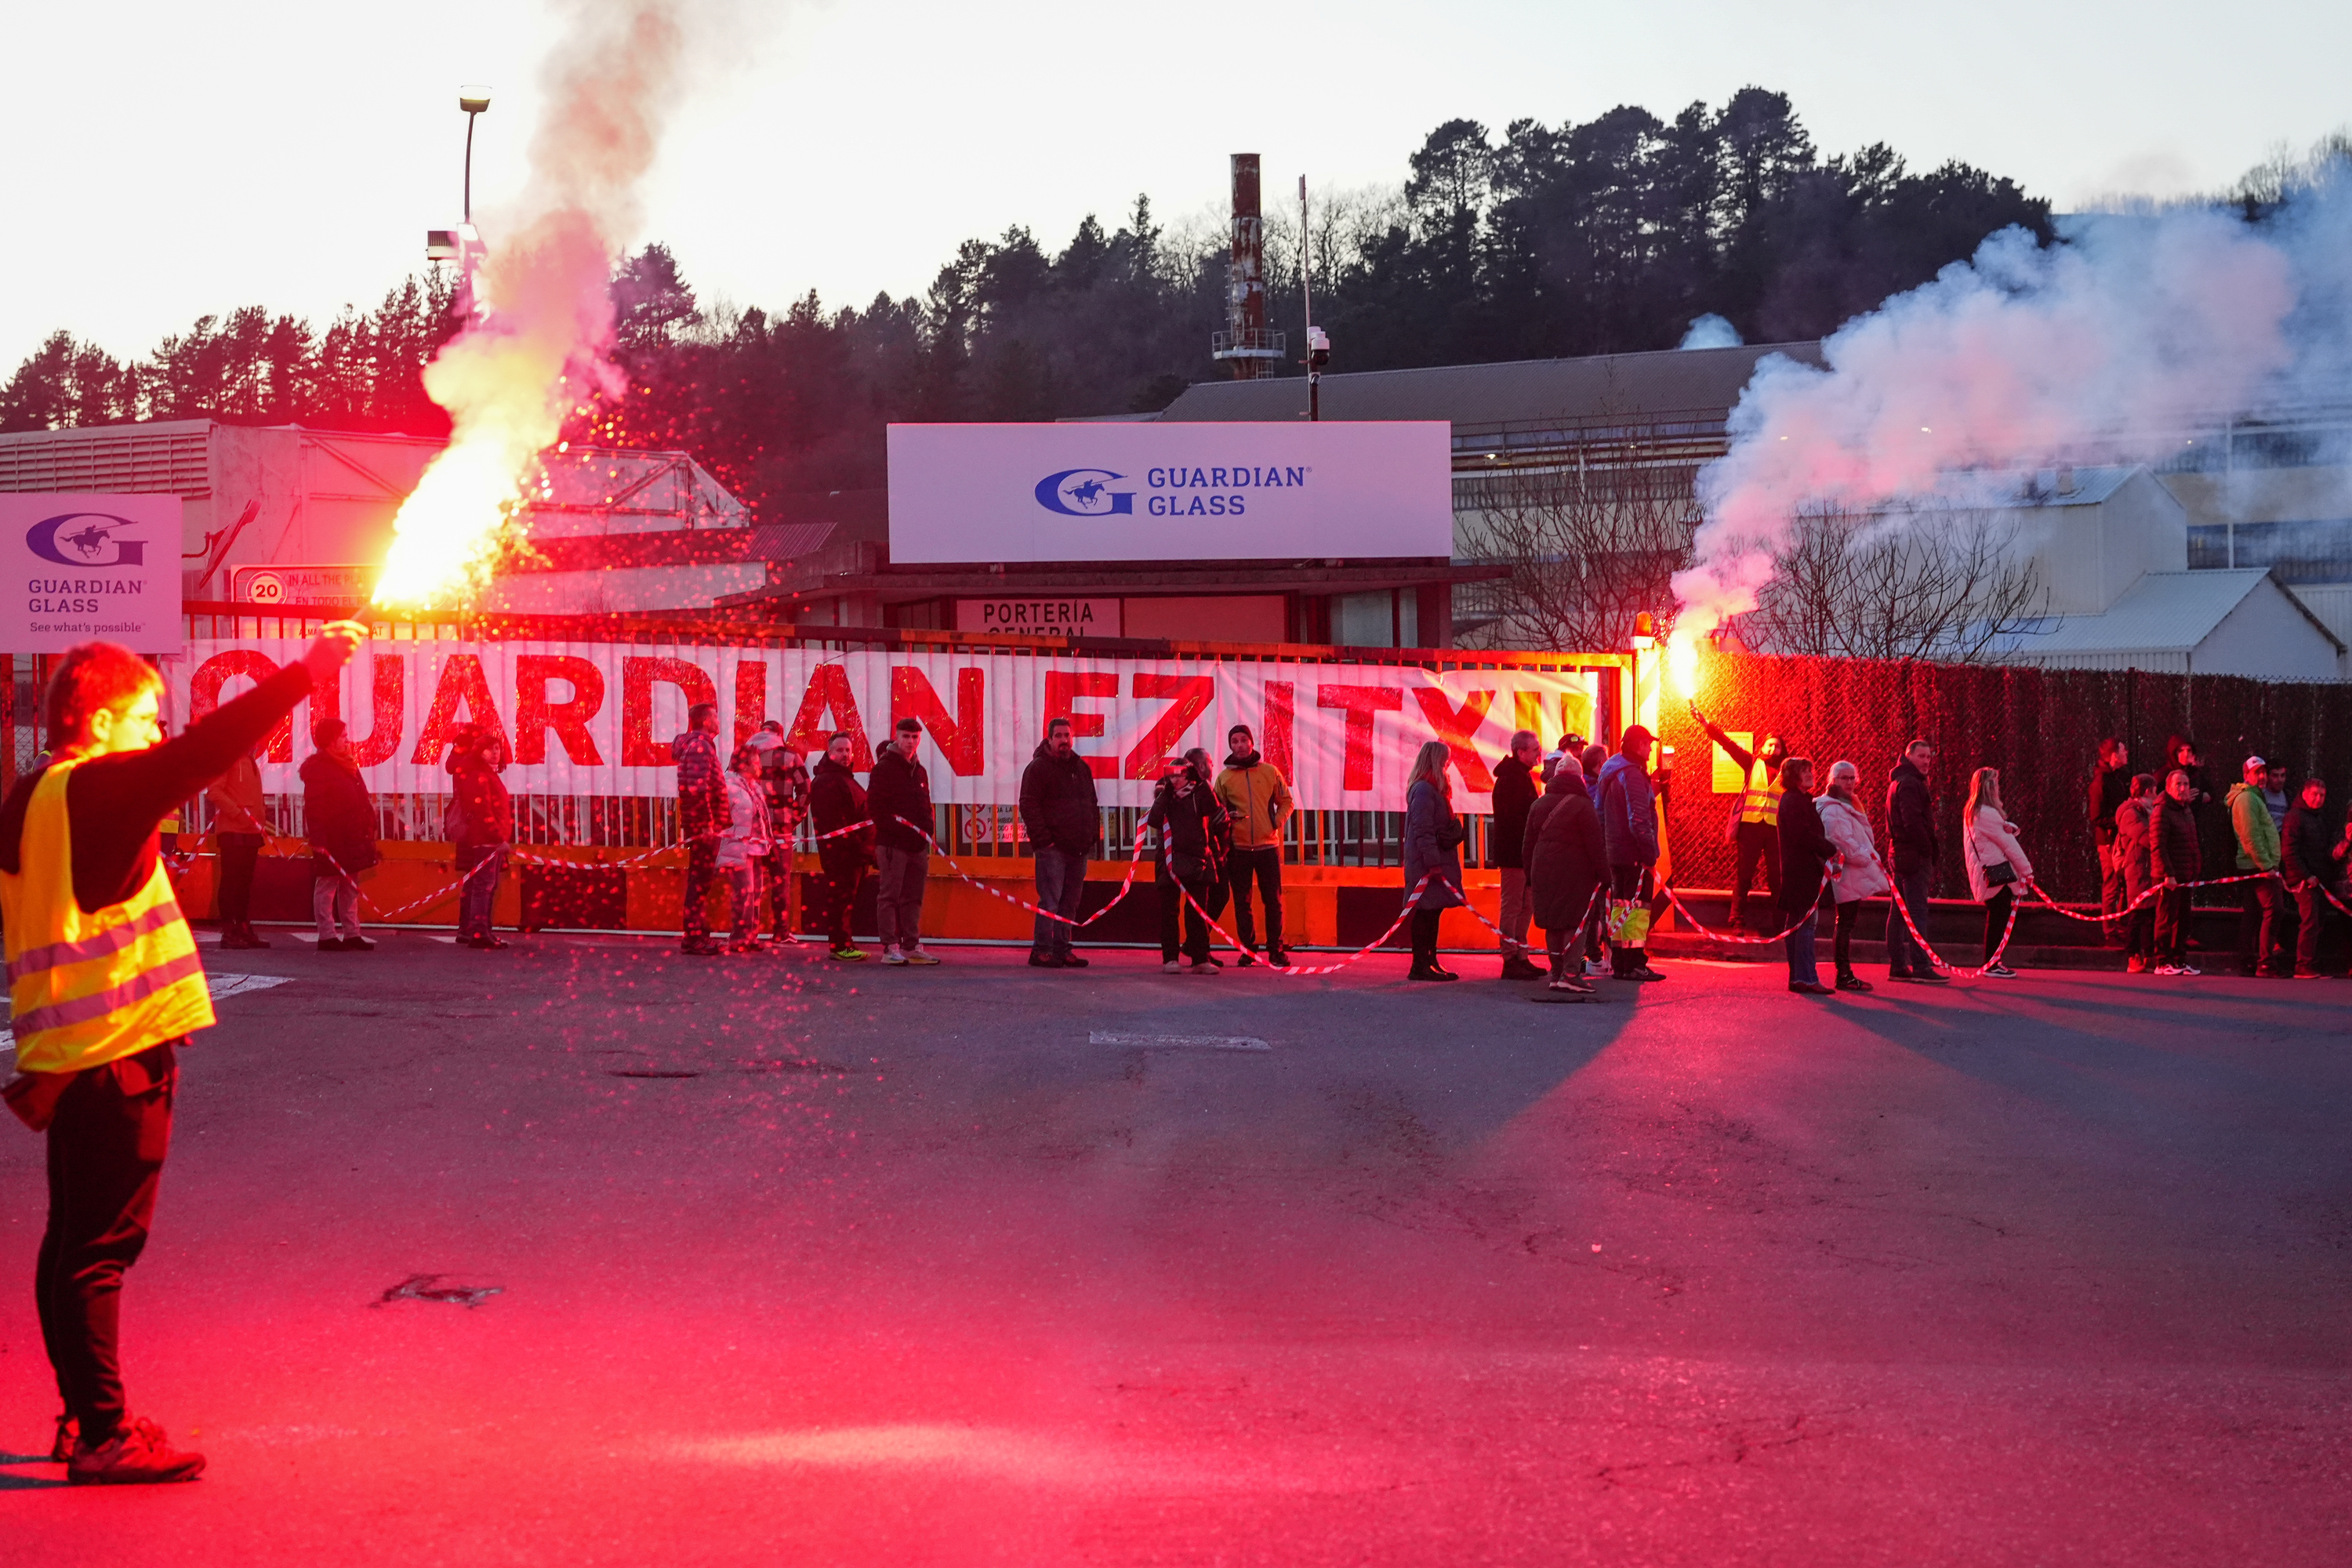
(1608, 236)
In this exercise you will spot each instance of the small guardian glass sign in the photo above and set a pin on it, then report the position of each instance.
(89, 568)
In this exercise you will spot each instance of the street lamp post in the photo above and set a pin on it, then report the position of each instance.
(475, 99)
(1318, 343)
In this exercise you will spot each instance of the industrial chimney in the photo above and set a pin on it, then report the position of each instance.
(1245, 344)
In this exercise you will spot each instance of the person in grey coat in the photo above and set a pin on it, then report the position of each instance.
(1432, 848)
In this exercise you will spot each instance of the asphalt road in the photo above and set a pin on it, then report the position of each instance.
(799, 1263)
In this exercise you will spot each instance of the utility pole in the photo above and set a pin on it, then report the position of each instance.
(1318, 345)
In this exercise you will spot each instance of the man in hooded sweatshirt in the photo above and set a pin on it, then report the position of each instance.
(702, 818)
(1514, 797)
(1911, 829)
(2263, 928)
(1257, 800)
(1059, 814)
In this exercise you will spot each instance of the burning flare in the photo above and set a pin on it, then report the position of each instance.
(536, 346)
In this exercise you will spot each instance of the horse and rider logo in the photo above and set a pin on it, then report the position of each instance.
(84, 539)
(1085, 492)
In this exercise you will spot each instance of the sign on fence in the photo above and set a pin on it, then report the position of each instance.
(80, 567)
(598, 719)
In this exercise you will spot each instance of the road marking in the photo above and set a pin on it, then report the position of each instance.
(1180, 1042)
(219, 985)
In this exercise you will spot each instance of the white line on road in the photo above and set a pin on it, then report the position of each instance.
(1181, 1042)
(219, 985)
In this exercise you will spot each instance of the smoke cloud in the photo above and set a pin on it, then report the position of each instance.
(2107, 349)
(543, 330)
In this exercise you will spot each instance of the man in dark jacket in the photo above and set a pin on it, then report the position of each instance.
(484, 826)
(2111, 786)
(1059, 814)
(1514, 796)
(1628, 827)
(2310, 852)
(2176, 860)
(339, 817)
(702, 815)
(1911, 828)
(837, 800)
(899, 794)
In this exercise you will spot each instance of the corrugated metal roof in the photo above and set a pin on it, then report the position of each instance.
(1987, 490)
(161, 458)
(1630, 388)
(2164, 611)
(786, 540)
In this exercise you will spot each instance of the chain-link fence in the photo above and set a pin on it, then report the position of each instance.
(2040, 728)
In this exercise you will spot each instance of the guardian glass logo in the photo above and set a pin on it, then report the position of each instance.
(84, 539)
(1085, 492)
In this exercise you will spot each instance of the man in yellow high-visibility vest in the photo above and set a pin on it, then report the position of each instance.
(1756, 824)
(104, 985)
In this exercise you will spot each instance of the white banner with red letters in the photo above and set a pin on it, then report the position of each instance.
(598, 719)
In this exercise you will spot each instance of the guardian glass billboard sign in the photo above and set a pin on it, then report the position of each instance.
(1149, 491)
(84, 568)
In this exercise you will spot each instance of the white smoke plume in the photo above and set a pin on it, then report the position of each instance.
(537, 346)
(2106, 349)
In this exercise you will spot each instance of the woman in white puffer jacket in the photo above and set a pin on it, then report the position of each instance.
(1859, 873)
(1988, 841)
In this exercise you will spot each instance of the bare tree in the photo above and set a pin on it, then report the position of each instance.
(1591, 535)
(1952, 587)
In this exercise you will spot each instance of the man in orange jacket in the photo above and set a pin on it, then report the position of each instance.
(105, 985)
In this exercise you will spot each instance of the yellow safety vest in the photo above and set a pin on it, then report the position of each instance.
(1759, 802)
(86, 989)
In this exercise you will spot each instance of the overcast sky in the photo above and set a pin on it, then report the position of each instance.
(166, 161)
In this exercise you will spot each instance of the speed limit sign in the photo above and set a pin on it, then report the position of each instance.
(265, 588)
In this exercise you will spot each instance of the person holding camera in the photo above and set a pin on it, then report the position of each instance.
(1192, 827)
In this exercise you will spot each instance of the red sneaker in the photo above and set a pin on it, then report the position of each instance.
(138, 1455)
(61, 1451)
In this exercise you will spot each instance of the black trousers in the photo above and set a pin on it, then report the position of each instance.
(1175, 910)
(775, 875)
(2311, 912)
(2139, 930)
(1759, 844)
(1997, 920)
(1423, 929)
(1904, 953)
(701, 866)
(113, 1128)
(239, 853)
(1849, 915)
(2263, 928)
(836, 895)
(2172, 926)
(1263, 865)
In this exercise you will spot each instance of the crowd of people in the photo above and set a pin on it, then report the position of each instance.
(1802, 839)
